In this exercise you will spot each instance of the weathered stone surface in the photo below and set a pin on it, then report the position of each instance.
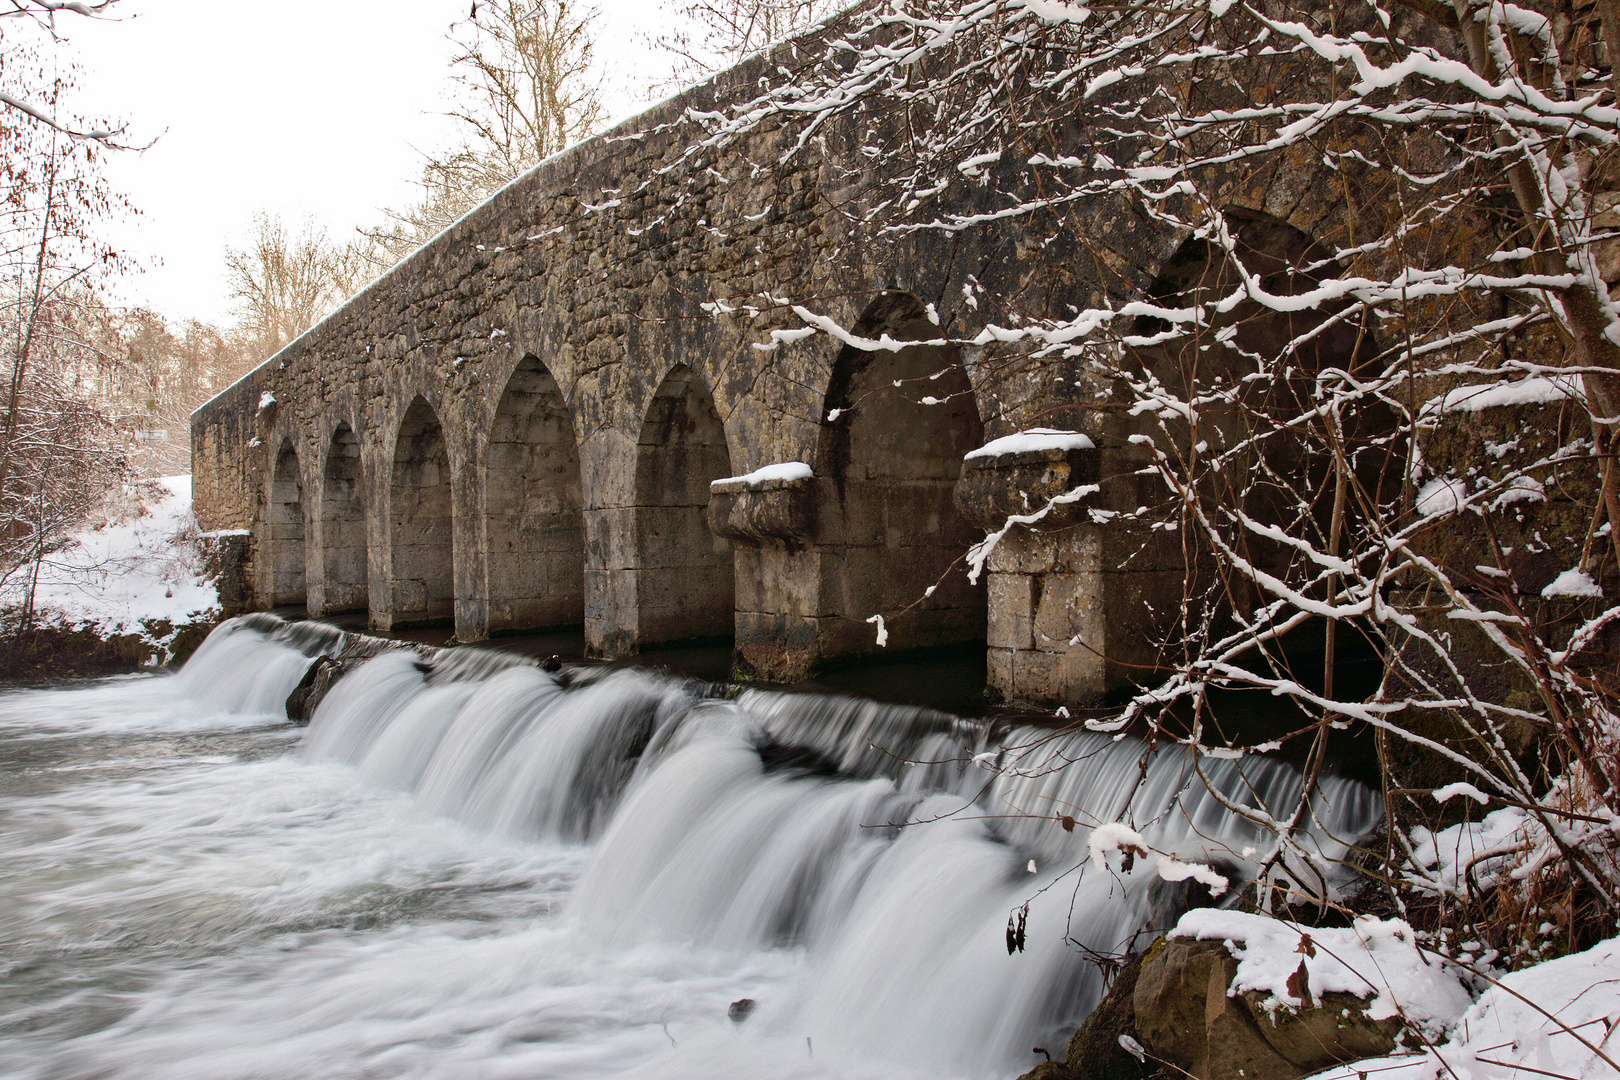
(993, 489)
(517, 426)
(1187, 1017)
(226, 557)
(1538, 528)
(772, 513)
(53, 651)
(1049, 1070)
(322, 673)
(1095, 1051)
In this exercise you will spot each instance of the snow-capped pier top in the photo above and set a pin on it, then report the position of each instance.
(1024, 442)
(786, 471)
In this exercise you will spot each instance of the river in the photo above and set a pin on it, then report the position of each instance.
(484, 871)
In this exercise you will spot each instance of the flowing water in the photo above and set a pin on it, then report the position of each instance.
(477, 869)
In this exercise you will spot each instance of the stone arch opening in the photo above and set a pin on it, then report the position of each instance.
(533, 506)
(685, 583)
(895, 427)
(343, 524)
(420, 521)
(1256, 369)
(286, 520)
(1264, 362)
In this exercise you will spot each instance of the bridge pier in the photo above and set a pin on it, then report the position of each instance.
(1075, 597)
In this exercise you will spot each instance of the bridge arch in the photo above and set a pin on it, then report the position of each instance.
(1269, 359)
(533, 506)
(896, 424)
(685, 584)
(343, 524)
(285, 518)
(420, 521)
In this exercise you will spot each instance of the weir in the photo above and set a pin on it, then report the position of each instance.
(880, 845)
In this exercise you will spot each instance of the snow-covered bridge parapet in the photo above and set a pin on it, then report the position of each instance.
(519, 426)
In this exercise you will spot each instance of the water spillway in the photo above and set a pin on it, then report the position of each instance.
(467, 866)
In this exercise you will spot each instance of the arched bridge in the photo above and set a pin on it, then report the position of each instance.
(522, 425)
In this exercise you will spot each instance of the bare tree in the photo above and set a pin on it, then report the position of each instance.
(525, 91)
(162, 374)
(284, 283)
(57, 453)
(719, 33)
(21, 77)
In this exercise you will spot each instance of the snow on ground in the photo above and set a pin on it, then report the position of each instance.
(1376, 959)
(135, 564)
(1553, 1019)
(1444, 857)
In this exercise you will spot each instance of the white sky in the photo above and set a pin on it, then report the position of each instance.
(310, 108)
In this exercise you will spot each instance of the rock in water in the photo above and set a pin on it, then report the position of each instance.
(740, 1009)
(318, 679)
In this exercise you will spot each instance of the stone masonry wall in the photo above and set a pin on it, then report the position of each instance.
(613, 268)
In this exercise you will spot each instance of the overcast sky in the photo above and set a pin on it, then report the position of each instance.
(309, 108)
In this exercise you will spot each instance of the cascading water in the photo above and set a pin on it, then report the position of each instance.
(474, 867)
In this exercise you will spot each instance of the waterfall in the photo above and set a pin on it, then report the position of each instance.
(870, 841)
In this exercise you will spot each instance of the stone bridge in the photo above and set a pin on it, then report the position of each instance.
(521, 425)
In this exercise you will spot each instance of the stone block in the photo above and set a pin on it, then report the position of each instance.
(777, 512)
(610, 612)
(1022, 551)
(607, 469)
(780, 648)
(999, 674)
(1069, 604)
(610, 538)
(409, 598)
(992, 489)
(1011, 599)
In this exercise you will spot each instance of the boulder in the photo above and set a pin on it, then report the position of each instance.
(322, 672)
(1187, 1017)
(1097, 1051)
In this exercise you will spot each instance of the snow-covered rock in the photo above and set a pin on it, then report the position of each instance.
(1552, 1019)
(1441, 496)
(786, 471)
(1375, 959)
(1574, 584)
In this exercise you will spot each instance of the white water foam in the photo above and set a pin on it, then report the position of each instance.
(236, 677)
(497, 874)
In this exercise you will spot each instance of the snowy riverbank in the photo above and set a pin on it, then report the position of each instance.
(129, 589)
